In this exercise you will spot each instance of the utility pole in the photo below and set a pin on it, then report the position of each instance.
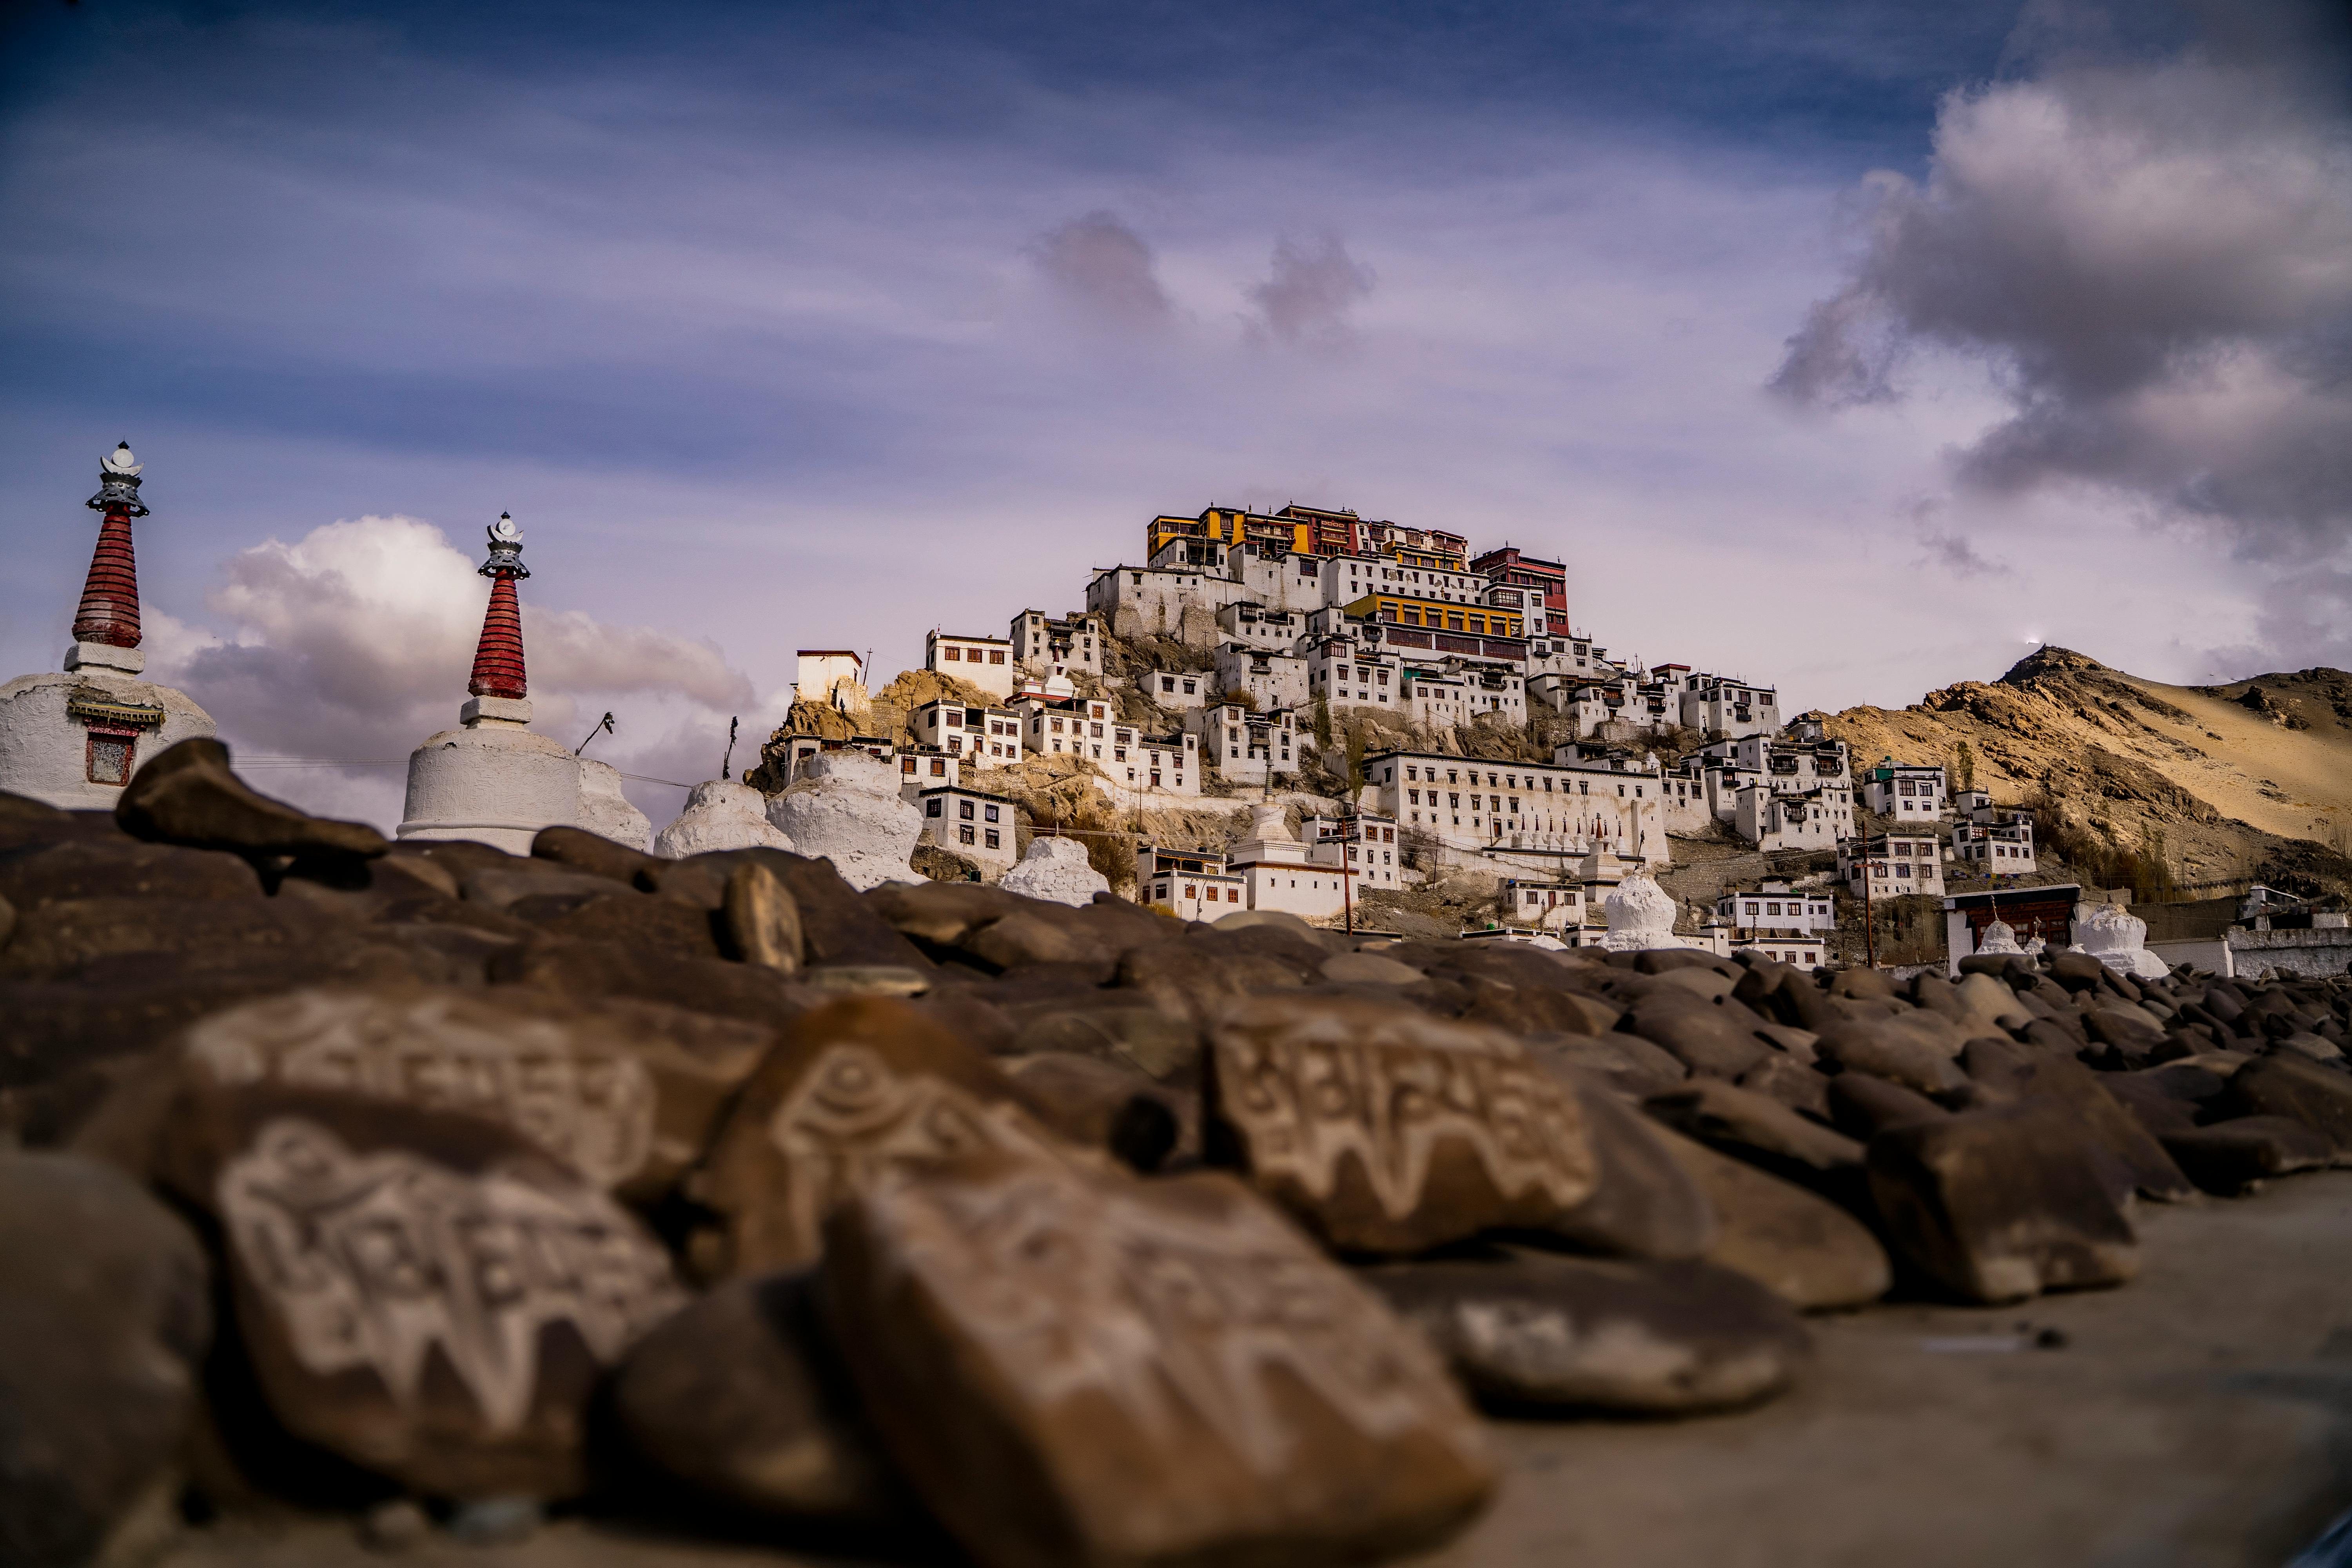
(1869, 923)
(728, 760)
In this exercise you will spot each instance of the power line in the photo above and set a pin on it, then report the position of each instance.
(242, 763)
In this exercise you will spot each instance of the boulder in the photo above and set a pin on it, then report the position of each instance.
(187, 794)
(1076, 1368)
(2320, 1097)
(2234, 1157)
(105, 1313)
(1655, 1339)
(1389, 1130)
(846, 808)
(761, 919)
(1111, 1106)
(1626, 1063)
(1368, 969)
(2001, 1204)
(740, 1399)
(1908, 1051)
(855, 1089)
(1055, 871)
(1752, 1127)
(1804, 1248)
(720, 814)
(578, 849)
(2014, 1074)
(582, 969)
(119, 867)
(427, 1295)
(1643, 1203)
(1697, 1033)
(625, 1093)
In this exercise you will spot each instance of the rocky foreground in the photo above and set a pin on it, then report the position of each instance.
(445, 1188)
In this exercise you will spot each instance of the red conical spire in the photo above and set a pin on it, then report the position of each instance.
(110, 598)
(498, 658)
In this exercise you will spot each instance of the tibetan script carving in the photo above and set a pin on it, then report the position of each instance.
(588, 1101)
(370, 1261)
(1388, 1131)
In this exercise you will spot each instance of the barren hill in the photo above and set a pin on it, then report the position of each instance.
(2200, 788)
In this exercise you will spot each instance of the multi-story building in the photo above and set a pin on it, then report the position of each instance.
(1898, 863)
(1785, 766)
(1805, 950)
(984, 662)
(800, 745)
(1177, 688)
(1179, 600)
(1365, 843)
(1541, 906)
(1776, 905)
(1279, 872)
(1064, 645)
(1463, 691)
(1546, 580)
(1556, 808)
(973, 823)
(925, 767)
(1773, 819)
(1345, 673)
(1138, 762)
(1059, 726)
(1270, 680)
(1997, 841)
(1904, 790)
(991, 737)
(1719, 707)
(1246, 748)
(1254, 626)
(1193, 883)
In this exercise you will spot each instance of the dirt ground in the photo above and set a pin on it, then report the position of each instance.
(2200, 1417)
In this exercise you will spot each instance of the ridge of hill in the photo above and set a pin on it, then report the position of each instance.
(2176, 789)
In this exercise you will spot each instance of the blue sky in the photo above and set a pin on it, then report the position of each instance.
(809, 326)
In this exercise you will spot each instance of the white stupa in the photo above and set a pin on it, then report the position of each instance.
(491, 779)
(73, 738)
(605, 811)
(2119, 939)
(720, 814)
(2000, 937)
(1056, 871)
(1641, 914)
(846, 807)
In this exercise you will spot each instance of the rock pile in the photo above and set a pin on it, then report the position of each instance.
(712, 1190)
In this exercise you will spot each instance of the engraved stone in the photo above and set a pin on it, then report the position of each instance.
(428, 1295)
(1079, 1367)
(626, 1092)
(1389, 1130)
(856, 1087)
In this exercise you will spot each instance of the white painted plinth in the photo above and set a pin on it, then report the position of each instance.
(495, 783)
(45, 751)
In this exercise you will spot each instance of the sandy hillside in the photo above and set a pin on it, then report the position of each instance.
(2218, 781)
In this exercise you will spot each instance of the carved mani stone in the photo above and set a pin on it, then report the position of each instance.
(427, 1294)
(1388, 1130)
(854, 1087)
(1077, 1367)
(626, 1092)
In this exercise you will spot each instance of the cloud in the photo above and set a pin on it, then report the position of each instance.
(1105, 267)
(352, 644)
(2154, 258)
(1955, 554)
(1305, 302)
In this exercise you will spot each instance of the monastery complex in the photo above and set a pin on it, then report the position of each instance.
(1295, 711)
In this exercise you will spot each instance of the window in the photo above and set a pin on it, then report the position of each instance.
(996, 655)
(964, 835)
(109, 756)
(963, 809)
(934, 808)
(905, 764)
(992, 836)
(939, 767)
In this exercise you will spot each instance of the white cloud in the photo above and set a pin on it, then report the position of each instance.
(353, 643)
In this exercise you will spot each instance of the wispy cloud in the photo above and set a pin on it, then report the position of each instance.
(1308, 300)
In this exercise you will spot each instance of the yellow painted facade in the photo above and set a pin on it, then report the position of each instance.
(1439, 616)
(1231, 528)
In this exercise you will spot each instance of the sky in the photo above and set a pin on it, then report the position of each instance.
(1857, 346)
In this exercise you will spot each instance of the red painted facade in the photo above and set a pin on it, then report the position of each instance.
(110, 598)
(498, 658)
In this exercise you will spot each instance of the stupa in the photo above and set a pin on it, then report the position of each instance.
(491, 779)
(73, 738)
(1641, 914)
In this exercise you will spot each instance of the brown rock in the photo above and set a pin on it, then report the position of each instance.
(1192, 979)
(187, 794)
(1529, 1009)
(58, 939)
(579, 969)
(1643, 1204)
(1751, 1126)
(1808, 1251)
(1997, 1206)
(654, 927)
(740, 1397)
(1102, 1105)
(2019, 1075)
(425, 1294)
(1369, 968)
(2318, 1097)
(1659, 1339)
(2234, 1157)
(118, 867)
(761, 922)
(1077, 1369)
(1697, 1032)
(1167, 1047)
(1388, 1130)
(104, 1317)
(581, 850)
(1627, 1063)
(1884, 1047)
(941, 913)
(514, 880)
(1795, 1085)
(855, 1089)
(626, 1093)
(1862, 1107)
